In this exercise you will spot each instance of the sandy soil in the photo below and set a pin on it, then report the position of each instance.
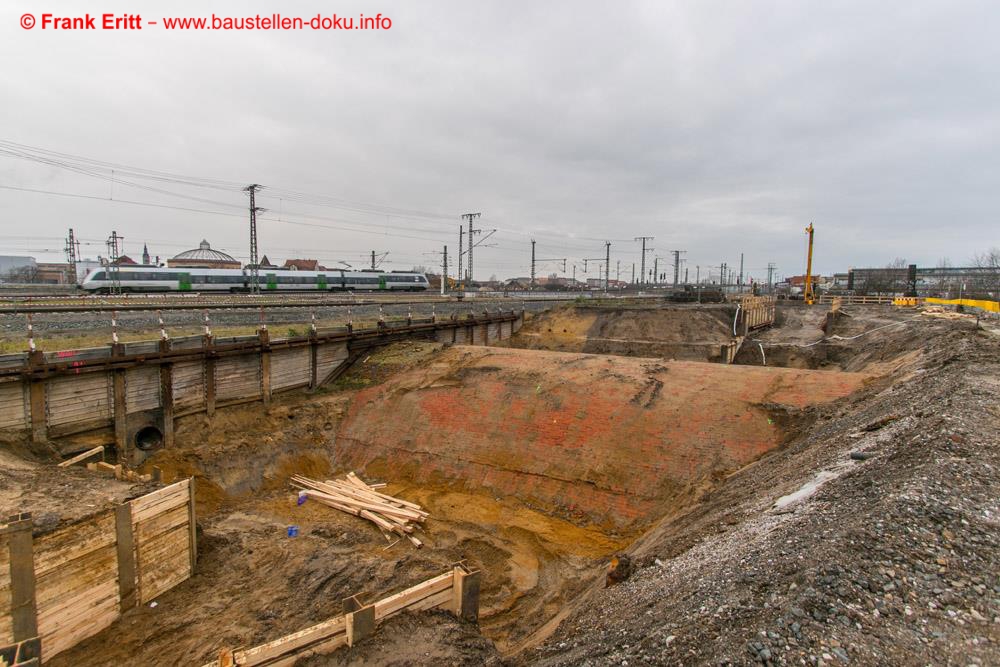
(812, 556)
(693, 333)
(902, 545)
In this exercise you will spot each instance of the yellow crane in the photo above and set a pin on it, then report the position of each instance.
(807, 293)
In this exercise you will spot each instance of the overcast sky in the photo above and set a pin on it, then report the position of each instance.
(716, 127)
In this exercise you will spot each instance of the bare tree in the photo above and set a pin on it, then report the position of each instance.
(987, 280)
(22, 274)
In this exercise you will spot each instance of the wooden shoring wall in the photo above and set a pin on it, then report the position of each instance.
(69, 584)
(456, 591)
(128, 386)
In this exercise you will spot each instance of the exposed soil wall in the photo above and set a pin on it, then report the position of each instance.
(603, 440)
(691, 333)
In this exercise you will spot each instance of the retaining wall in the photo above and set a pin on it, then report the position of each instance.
(69, 584)
(126, 388)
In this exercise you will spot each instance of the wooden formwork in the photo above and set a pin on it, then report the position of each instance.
(69, 584)
(456, 591)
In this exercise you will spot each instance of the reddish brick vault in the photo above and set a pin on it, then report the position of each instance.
(602, 439)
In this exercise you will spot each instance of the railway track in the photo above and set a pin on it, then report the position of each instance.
(81, 304)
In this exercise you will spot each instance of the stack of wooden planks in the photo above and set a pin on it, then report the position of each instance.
(353, 496)
(120, 472)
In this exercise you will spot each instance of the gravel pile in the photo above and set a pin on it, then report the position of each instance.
(815, 557)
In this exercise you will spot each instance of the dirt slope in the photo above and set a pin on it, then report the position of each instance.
(810, 557)
(692, 333)
(607, 440)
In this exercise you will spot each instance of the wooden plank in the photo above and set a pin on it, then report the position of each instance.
(56, 548)
(188, 384)
(93, 569)
(164, 505)
(395, 603)
(321, 631)
(78, 398)
(142, 505)
(357, 481)
(73, 630)
(373, 507)
(13, 405)
(238, 377)
(161, 523)
(125, 552)
(162, 572)
(374, 518)
(142, 389)
(442, 599)
(20, 545)
(370, 496)
(74, 602)
(192, 526)
(164, 545)
(169, 573)
(81, 457)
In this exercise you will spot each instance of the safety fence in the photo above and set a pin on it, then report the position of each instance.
(988, 306)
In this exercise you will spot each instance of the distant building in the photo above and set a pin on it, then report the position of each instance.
(303, 265)
(930, 281)
(203, 257)
(265, 263)
(800, 281)
(51, 273)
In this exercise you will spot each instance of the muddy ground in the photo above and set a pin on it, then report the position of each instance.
(812, 556)
(903, 545)
(683, 332)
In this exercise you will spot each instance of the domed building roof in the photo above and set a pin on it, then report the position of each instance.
(205, 253)
(203, 257)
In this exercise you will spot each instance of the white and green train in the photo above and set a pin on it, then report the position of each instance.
(156, 279)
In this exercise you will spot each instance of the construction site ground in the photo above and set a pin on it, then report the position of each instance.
(796, 554)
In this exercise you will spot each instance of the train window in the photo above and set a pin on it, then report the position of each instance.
(100, 275)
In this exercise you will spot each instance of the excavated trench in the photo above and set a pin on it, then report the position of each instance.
(536, 466)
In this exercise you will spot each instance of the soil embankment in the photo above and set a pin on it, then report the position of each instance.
(609, 441)
(688, 333)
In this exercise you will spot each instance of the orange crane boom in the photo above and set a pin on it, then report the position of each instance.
(807, 294)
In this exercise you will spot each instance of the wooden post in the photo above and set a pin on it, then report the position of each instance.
(192, 526)
(465, 590)
(359, 620)
(167, 397)
(209, 376)
(122, 445)
(23, 611)
(313, 361)
(126, 557)
(39, 422)
(265, 366)
(36, 400)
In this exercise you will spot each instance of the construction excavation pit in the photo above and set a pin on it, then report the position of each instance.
(549, 462)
